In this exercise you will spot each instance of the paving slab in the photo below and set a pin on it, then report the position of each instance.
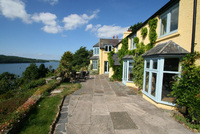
(104, 107)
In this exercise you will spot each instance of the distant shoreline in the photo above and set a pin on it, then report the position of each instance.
(15, 59)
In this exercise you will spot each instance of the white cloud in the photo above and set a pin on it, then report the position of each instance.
(52, 2)
(88, 27)
(52, 29)
(74, 21)
(107, 31)
(14, 9)
(49, 20)
(46, 18)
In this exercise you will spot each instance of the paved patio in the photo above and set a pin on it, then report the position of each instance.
(104, 107)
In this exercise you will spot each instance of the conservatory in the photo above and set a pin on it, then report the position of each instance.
(161, 66)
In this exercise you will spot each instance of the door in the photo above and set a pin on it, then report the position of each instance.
(106, 67)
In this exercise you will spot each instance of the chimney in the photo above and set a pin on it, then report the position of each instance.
(113, 37)
(129, 30)
(117, 36)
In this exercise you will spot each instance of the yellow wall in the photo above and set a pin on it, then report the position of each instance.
(163, 106)
(184, 34)
(103, 56)
(131, 84)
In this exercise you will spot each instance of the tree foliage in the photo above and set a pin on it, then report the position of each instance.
(187, 88)
(135, 27)
(81, 58)
(7, 82)
(65, 65)
(31, 73)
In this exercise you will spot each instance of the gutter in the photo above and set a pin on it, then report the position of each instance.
(194, 25)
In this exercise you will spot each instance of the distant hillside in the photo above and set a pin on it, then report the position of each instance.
(16, 59)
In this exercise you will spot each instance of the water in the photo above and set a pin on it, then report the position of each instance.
(18, 68)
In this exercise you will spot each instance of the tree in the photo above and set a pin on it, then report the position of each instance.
(81, 58)
(7, 82)
(31, 73)
(42, 71)
(65, 65)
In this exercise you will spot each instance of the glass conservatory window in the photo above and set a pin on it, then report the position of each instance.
(171, 70)
(159, 75)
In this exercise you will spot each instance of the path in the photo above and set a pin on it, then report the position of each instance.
(104, 107)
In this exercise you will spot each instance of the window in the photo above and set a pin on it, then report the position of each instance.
(132, 44)
(169, 21)
(171, 70)
(94, 64)
(96, 50)
(159, 75)
(108, 48)
(116, 49)
(130, 70)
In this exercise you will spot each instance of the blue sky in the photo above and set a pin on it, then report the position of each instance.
(45, 29)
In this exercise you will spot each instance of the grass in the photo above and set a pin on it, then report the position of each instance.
(42, 116)
(183, 120)
(45, 112)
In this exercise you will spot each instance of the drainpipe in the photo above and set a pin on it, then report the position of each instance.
(194, 25)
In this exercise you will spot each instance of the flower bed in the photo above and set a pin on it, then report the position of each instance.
(22, 111)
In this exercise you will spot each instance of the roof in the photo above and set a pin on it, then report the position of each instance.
(169, 48)
(96, 45)
(160, 11)
(94, 58)
(104, 42)
(128, 57)
(116, 59)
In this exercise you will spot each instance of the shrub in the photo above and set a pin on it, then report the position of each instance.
(187, 88)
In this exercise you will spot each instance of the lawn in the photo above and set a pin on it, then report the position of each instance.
(45, 112)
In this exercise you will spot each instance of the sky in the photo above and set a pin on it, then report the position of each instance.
(45, 29)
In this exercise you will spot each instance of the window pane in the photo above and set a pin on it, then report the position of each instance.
(106, 48)
(171, 64)
(130, 74)
(147, 82)
(155, 64)
(94, 63)
(109, 48)
(168, 80)
(148, 64)
(163, 29)
(174, 19)
(153, 84)
(97, 50)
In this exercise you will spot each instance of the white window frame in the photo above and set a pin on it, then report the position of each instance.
(95, 50)
(168, 15)
(132, 44)
(108, 48)
(159, 80)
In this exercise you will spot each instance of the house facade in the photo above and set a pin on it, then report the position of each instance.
(100, 52)
(178, 26)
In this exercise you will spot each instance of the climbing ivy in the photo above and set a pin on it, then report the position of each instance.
(138, 65)
(144, 32)
(136, 40)
(121, 53)
(110, 59)
(152, 33)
